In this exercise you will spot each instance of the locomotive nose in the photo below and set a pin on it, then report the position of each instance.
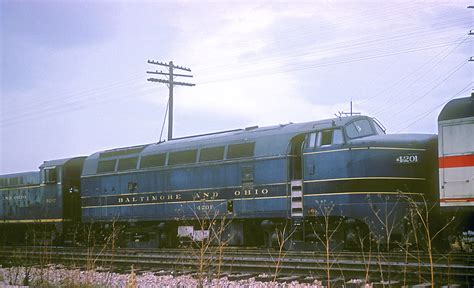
(408, 160)
(401, 141)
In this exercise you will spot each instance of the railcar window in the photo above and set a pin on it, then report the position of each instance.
(106, 166)
(121, 152)
(337, 137)
(241, 150)
(211, 154)
(312, 140)
(326, 138)
(182, 157)
(156, 160)
(359, 128)
(13, 181)
(127, 163)
(50, 175)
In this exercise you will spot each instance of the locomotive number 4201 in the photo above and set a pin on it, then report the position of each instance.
(407, 159)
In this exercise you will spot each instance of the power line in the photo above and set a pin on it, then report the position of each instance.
(447, 77)
(384, 106)
(63, 109)
(311, 30)
(437, 107)
(406, 32)
(76, 102)
(267, 72)
(76, 98)
(51, 104)
(28, 115)
(349, 45)
(85, 92)
(429, 91)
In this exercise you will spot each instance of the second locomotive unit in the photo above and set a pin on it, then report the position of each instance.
(38, 207)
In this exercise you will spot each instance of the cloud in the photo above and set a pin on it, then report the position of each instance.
(56, 24)
(255, 63)
(242, 36)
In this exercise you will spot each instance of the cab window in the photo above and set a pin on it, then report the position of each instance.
(337, 137)
(312, 140)
(50, 175)
(325, 138)
(378, 129)
(359, 128)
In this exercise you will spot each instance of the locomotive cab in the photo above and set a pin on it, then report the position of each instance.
(357, 176)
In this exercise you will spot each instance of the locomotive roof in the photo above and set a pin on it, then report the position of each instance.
(19, 179)
(270, 140)
(249, 134)
(20, 174)
(458, 108)
(56, 162)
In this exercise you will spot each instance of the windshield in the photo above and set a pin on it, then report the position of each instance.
(359, 128)
(378, 128)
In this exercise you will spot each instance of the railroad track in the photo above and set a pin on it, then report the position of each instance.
(261, 263)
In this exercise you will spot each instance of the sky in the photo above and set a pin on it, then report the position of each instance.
(73, 73)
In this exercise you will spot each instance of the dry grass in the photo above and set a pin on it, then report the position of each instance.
(209, 250)
(329, 225)
(422, 211)
(283, 236)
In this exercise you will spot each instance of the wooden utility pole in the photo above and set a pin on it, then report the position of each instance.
(170, 81)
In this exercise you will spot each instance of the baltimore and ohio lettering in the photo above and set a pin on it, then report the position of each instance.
(149, 199)
(194, 196)
(14, 197)
(251, 192)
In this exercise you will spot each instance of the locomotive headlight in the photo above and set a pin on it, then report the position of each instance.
(408, 159)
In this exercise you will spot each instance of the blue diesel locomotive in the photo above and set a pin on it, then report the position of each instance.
(37, 207)
(262, 178)
(259, 180)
